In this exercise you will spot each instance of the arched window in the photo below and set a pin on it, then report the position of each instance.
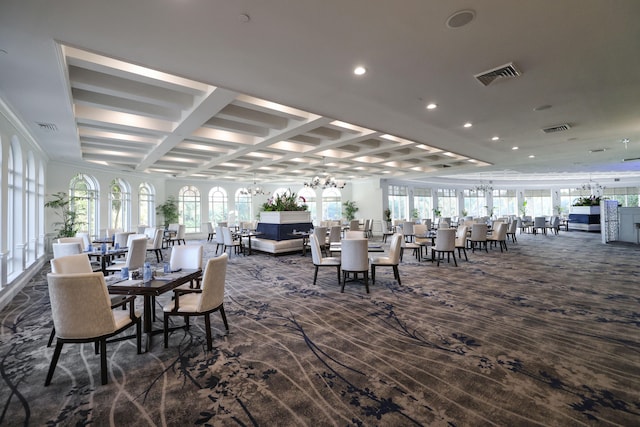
(331, 204)
(146, 205)
(14, 212)
(84, 195)
(309, 198)
(218, 206)
(189, 209)
(119, 204)
(41, 202)
(243, 205)
(398, 200)
(31, 214)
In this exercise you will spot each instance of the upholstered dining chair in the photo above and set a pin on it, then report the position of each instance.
(82, 312)
(461, 241)
(445, 244)
(553, 225)
(355, 259)
(202, 301)
(354, 225)
(64, 249)
(136, 255)
(408, 231)
(540, 223)
(511, 230)
(478, 237)
(392, 260)
(210, 232)
(121, 238)
(219, 239)
(420, 236)
(179, 237)
(77, 239)
(321, 235)
(335, 234)
(230, 242)
(86, 240)
(499, 235)
(155, 245)
(358, 234)
(321, 261)
(188, 257)
(386, 232)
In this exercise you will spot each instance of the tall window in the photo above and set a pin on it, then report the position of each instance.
(474, 202)
(505, 202)
(31, 214)
(84, 197)
(189, 209)
(41, 202)
(119, 204)
(568, 196)
(331, 204)
(626, 196)
(398, 202)
(447, 202)
(243, 205)
(423, 202)
(146, 205)
(539, 202)
(309, 197)
(14, 183)
(218, 209)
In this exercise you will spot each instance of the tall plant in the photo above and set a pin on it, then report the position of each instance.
(168, 210)
(350, 209)
(68, 225)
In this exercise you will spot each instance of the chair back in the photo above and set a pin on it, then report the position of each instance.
(355, 255)
(335, 233)
(395, 248)
(181, 232)
(419, 229)
(78, 240)
(80, 305)
(321, 234)
(173, 227)
(427, 223)
(140, 228)
(349, 234)
(354, 225)
(539, 222)
(513, 226)
(156, 243)
(213, 280)
(461, 235)
(122, 238)
(443, 224)
(316, 253)
(78, 263)
(219, 236)
(500, 232)
(407, 228)
(136, 254)
(228, 238)
(86, 241)
(209, 227)
(223, 223)
(63, 249)
(186, 256)
(367, 225)
(150, 232)
(446, 239)
(133, 236)
(478, 233)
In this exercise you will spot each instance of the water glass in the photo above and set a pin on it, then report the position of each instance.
(166, 268)
(124, 273)
(117, 246)
(90, 248)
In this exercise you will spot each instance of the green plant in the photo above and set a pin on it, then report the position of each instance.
(415, 213)
(387, 215)
(286, 201)
(587, 201)
(350, 209)
(67, 227)
(558, 209)
(464, 212)
(169, 211)
(437, 212)
(523, 208)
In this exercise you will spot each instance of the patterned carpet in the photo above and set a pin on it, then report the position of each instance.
(547, 333)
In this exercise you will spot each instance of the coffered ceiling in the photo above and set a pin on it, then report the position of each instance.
(244, 90)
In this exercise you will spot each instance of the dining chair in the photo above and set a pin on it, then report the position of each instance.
(321, 261)
(136, 255)
(179, 236)
(554, 224)
(386, 232)
(82, 312)
(122, 238)
(445, 244)
(321, 235)
(357, 234)
(408, 231)
(210, 231)
(420, 236)
(461, 241)
(188, 257)
(540, 223)
(155, 245)
(478, 237)
(354, 225)
(230, 242)
(201, 301)
(86, 240)
(511, 230)
(366, 227)
(392, 260)
(219, 239)
(499, 235)
(63, 249)
(79, 240)
(354, 258)
(335, 234)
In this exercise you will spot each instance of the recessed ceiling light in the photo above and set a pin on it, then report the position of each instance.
(468, 124)
(359, 70)
(531, 156)
(542, 107)
(460, 18)
(432, 106)
(495, 138)
(514, 148)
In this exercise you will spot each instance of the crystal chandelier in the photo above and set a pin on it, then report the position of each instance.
(485, 188)
(256, 190)
(593, 187)
(325, 181)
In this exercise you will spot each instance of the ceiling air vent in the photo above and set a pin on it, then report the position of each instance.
(556, 128)
(503, 72)
(48, 127)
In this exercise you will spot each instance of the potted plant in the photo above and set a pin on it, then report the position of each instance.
(350, 209)
(169, 211)
(464, 212)
(437, 212)
(67, 226)
(414, 214)
(387, 216)
(286, 208)
(523, 208)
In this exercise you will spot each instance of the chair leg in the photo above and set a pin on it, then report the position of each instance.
(103, 360)
(54, 362)
(139, 335)
(338, 267)
(366, 280)
(373, 274)
(224, 318)
(344, 280)
(166, 330)
(207, 327)
(53, 334)
(454, 258)
(396, 273)
(315, 275)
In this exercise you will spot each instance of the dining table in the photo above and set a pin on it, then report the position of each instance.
(248, 235)
(105, 257)
(149, 290)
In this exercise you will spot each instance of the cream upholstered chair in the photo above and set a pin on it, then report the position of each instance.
(554, 224)
(420, 236)
(179, 235)
(121, 238)
(86, 240)
(202, 301)
(136, 255)
(354, 225)
(461, 241)
(64, 249)
(79, 240)
(350, 234)
(230, 242)
(540, 223)
(209, 228)
(335, 234)
(219, 239)
(133, 236)
(499, 235)
(408, 231)
(478, 237)
(445, 244)
(321, 261)
(511, 230)
(82, 312)
(386, 232)
(355, 259)
(321, 235)
(155, 245)
(188, 257)
(392, 260)
(366, 227)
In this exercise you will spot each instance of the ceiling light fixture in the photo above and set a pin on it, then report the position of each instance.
(482, 187)
(326, 181)
(359, 70)
(256, 190)
(468, 124)
(432, 106)
(495, 138)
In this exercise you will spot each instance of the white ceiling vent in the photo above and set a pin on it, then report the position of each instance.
(505, 71)
(557, 128)
(48, 127)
